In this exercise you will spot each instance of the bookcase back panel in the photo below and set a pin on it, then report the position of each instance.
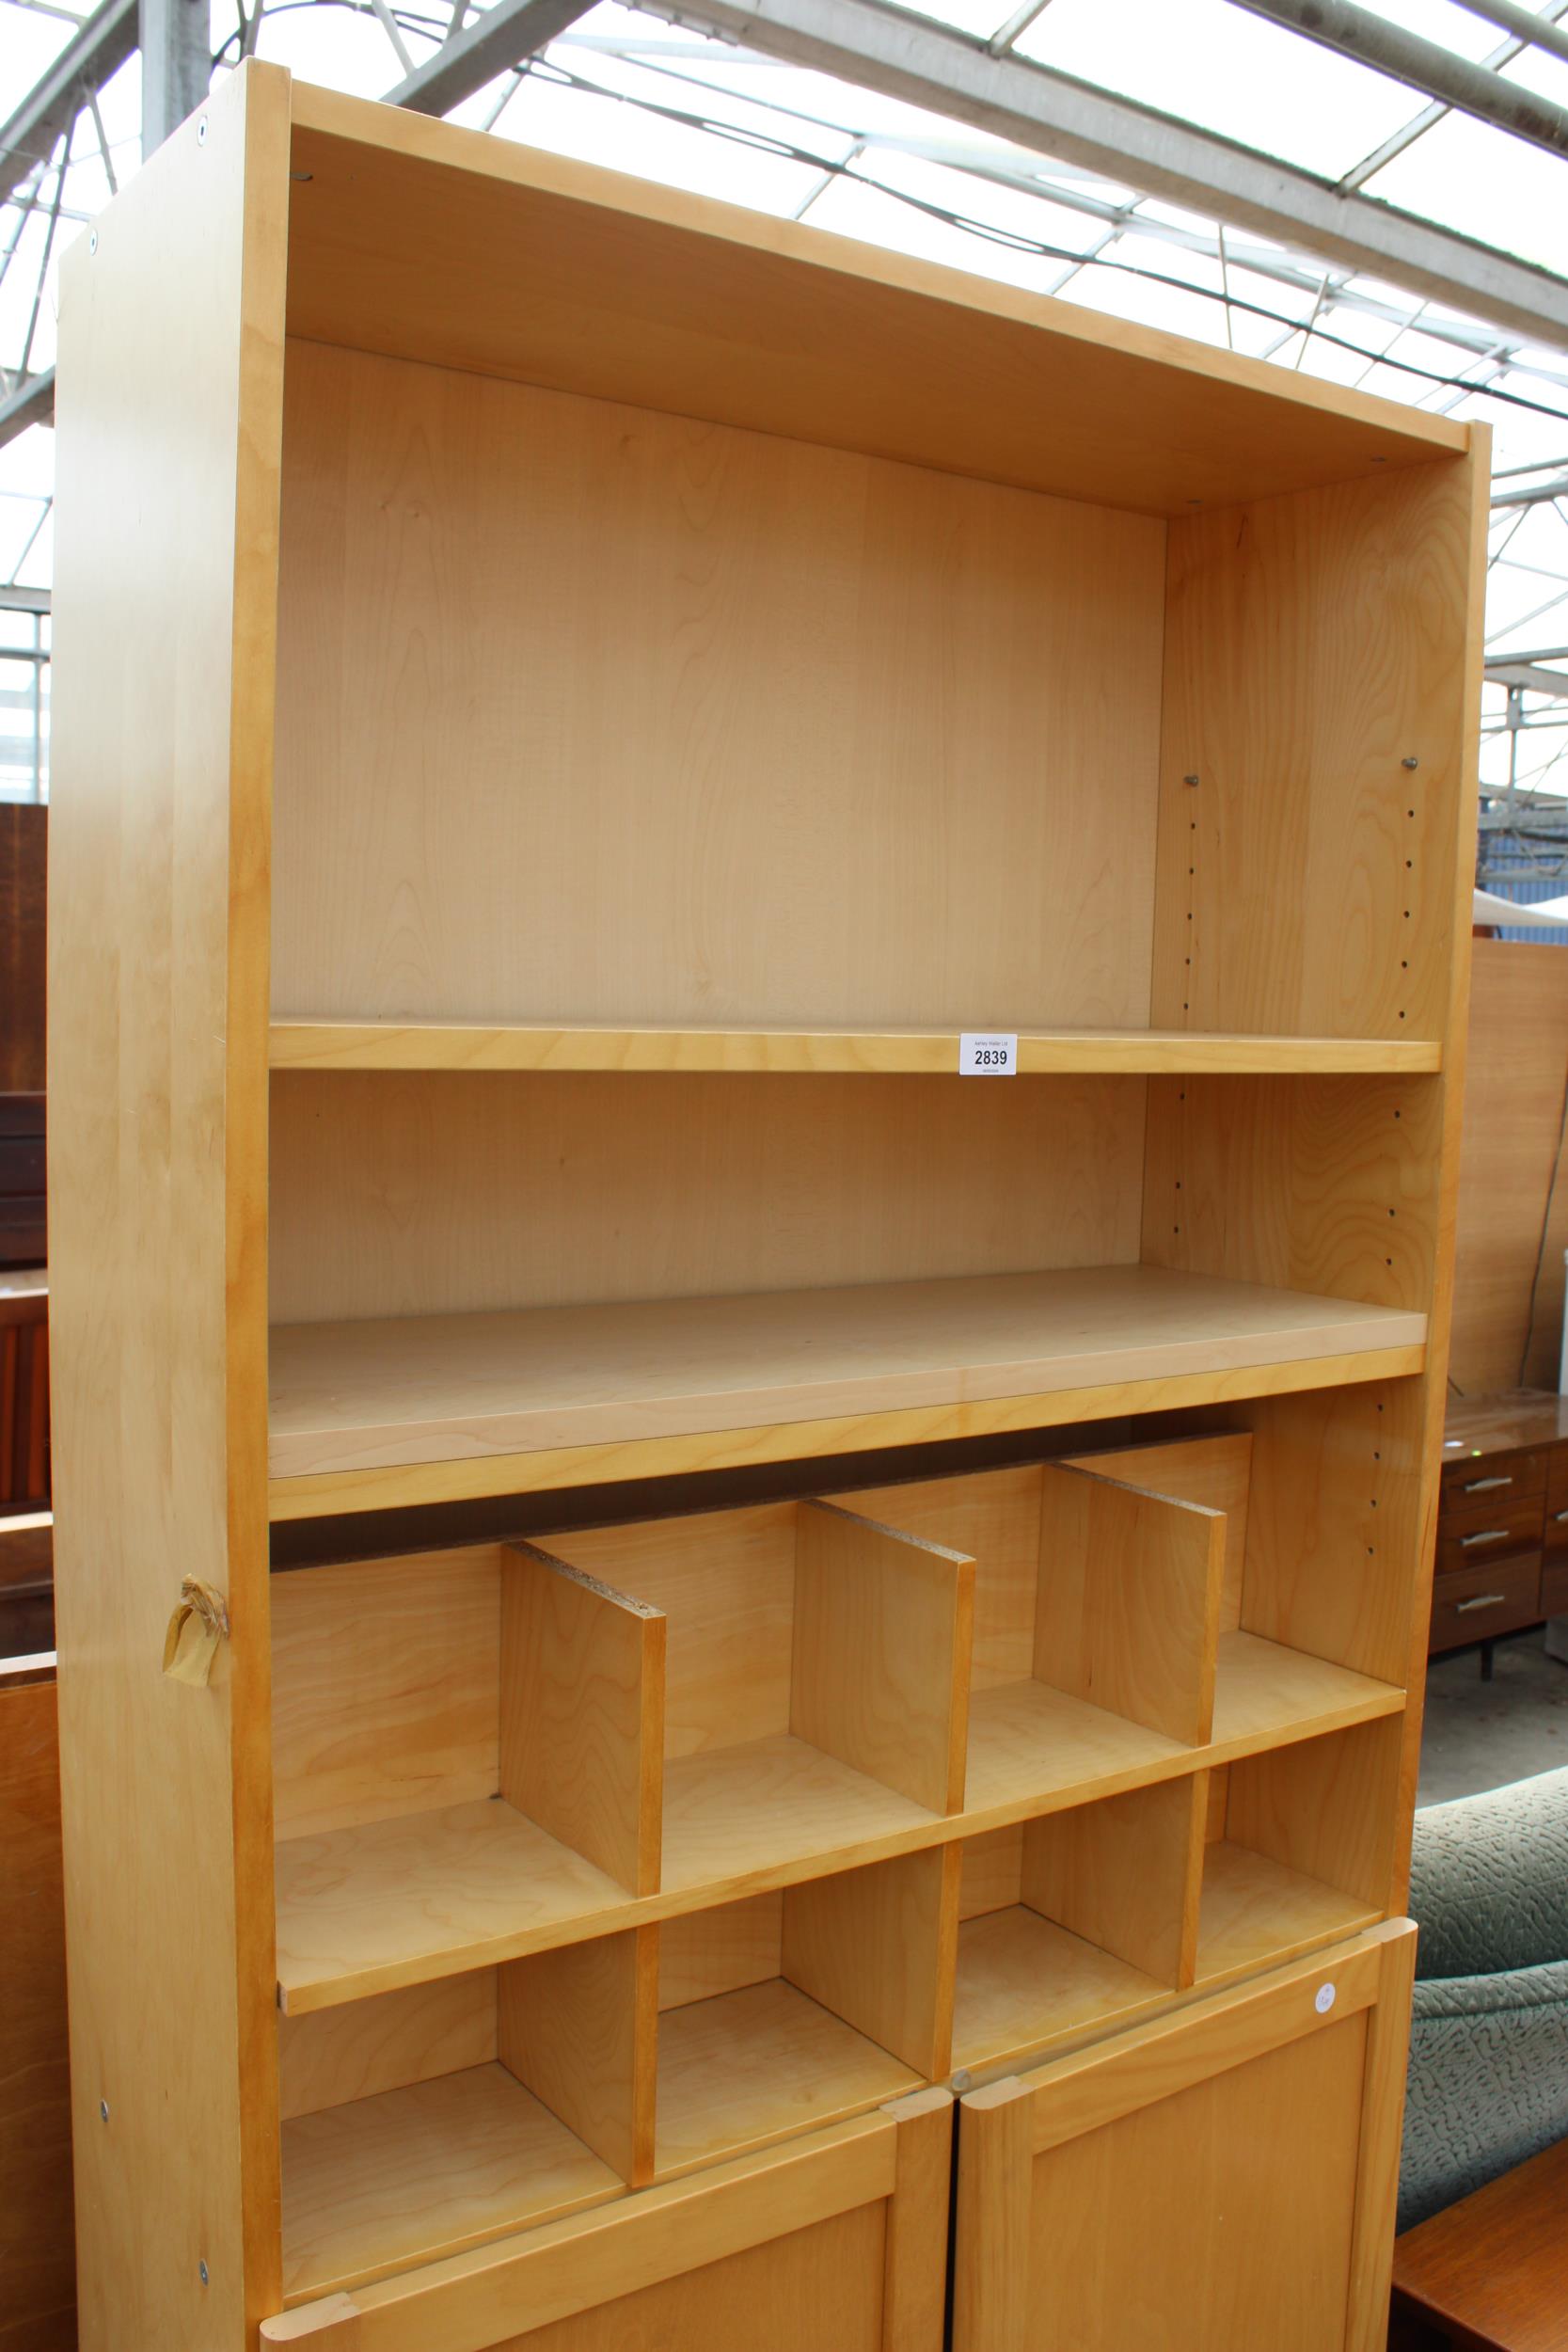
(331, 2055)
(725, 1582)
(993, 1516)
(593, 714)
(385, 1688)
(432, 1194)
(1316, 645)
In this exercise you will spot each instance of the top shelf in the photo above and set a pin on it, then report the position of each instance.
(461, 1045)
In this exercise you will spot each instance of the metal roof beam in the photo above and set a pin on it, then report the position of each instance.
(1532, 31)
(32, 402)
(1532, 679)
(88, 58)
(1544, 490)
(949, 72)
(503, 36)
(1422, 65)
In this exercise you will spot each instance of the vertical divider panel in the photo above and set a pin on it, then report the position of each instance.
(1214, 1471)
(878, 1947)
(579, 2027)
(1328, 1807)
(582, 1713)
(1126, 1874)
(879, 1672)
(1129, 1609)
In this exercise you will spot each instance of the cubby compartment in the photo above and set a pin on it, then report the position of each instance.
(423, 2121)
(488, 1753)
(1096, 1622)
(1121, 1594)
(817, 1682)
(804, 2006)
(467, 1749)
(1077, 1922)
(1299, 1849)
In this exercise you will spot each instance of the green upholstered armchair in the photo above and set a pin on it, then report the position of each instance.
(1489, 2036)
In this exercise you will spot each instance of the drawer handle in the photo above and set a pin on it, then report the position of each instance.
(1483, 1486)
(1487, 1535)
(1482, 1601)
(1559, 1516)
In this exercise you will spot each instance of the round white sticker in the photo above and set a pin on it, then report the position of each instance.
(1325, 1999)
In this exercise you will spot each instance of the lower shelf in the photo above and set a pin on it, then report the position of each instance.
(745, 2069)
(410, 2176)
(731, 1814)
(1256, 1913)
(1025, 1984)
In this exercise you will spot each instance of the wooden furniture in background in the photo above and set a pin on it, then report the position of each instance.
(23, 1389)
(626, 688)
(1486, 2275)
(24, 1209)
(23, 846)
(38, 2285)
(1502, 1519)
(23, 862)
(26, 1584)
(1512, 1204)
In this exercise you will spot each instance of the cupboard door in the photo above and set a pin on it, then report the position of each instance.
(1222, 2179)
(838, 2239)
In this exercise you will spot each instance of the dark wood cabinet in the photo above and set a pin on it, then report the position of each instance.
(1502, 1518)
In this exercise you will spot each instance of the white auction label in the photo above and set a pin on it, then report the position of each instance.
(988, 1057)
(1325, 1999)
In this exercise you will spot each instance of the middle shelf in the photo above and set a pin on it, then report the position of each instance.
(420, 1409)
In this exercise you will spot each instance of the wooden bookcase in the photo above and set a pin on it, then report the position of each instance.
(764, 1578)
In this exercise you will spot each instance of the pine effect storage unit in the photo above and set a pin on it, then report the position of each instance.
(766, 1582)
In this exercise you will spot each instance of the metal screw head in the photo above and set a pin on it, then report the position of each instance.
(1411, 762)
(92, 241)
(201, 131)
(104, 2109)
(202, 2267)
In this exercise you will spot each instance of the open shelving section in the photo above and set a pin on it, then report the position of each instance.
(822, 1564)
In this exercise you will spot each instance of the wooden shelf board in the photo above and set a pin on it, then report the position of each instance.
(394, 1902)
(404, 2177)
(1264, 1693)
(738, 1817)
(408, 1393)
(745, 2069)
(1029, 1743)
(1256, 1913)
(400, 1902)
(1025, 1984)
(303, 1044)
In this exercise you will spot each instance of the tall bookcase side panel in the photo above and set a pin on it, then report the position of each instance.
(1317, 689)
(170, 374)
(1322, 686)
